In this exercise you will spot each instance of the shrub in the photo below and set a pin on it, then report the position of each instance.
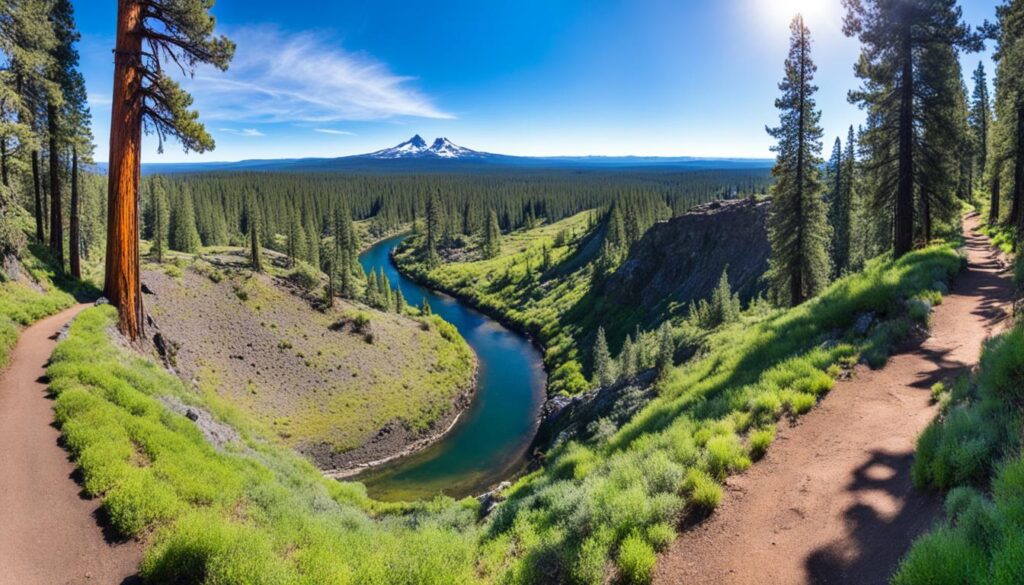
(1002, 366)
(636, 560)
(760, 440)
(305, 276)
(725, 454)
(705, 493)
(944, 557)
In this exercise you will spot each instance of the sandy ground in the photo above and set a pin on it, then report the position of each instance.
(833, 500)
(50, 532)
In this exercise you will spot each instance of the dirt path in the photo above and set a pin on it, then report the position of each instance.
(49, 534)
(833, 500)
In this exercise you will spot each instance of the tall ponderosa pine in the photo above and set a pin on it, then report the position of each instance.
(798, 223)
(906, 69)
(149, 33)
(1008, 139)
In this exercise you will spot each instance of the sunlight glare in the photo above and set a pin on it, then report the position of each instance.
(785, 10)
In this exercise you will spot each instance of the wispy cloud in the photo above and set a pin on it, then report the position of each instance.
(247, 132)
(305, 78)
(99, 99)
(334, 132)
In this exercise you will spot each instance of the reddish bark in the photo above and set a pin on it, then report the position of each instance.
(122, 286)
(75, 234)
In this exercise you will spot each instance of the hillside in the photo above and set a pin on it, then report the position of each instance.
(344, 386)
(679, 261)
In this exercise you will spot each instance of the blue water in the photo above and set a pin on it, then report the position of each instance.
(490, 440)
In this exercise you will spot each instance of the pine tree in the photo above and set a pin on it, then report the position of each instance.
(161, 213)
(62, 72)
(492, 236)
(29, 41)
(603, 368)
(980, 120)
(399, 301)
(425, 308)
(798, 224)
(1008, 139)
(255, 221)
(666, 351)
(176, 30)
(296, 239)
(185, 235)
(312, 245)
(628, 366)
(435, 222)
(839, 209)
(901, 39)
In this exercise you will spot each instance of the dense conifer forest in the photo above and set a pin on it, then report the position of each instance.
(657, 412)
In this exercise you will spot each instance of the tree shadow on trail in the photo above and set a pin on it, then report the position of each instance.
(887, 516)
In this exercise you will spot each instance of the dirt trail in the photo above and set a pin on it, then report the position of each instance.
(49, 533)
(833, 500)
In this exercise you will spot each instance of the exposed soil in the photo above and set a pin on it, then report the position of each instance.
(833, 501)
(344, 396)
(50, 532)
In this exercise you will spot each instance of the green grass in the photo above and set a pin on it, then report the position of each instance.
(23, 303)
(709, 420)
(250, 513)
(974, 450)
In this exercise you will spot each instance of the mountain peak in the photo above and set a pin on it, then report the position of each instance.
(416, 147)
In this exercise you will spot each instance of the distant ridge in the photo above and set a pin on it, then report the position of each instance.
(415, 155)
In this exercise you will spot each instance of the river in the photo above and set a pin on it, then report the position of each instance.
(490, 440)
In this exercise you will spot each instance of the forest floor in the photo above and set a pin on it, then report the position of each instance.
(50, 533)
(833, 501)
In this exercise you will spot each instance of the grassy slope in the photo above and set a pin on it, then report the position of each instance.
(317, 385)
(253, 513)
(553, 311)
(257, 513)
(974, 450)
(620, 498)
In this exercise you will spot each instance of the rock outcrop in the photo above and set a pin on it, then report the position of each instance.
(680, 260)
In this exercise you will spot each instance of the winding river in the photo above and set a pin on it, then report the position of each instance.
(490, 439)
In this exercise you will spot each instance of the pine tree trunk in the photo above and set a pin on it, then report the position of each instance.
(903, 237)
(75, 235)
(993, 211)
(56, 211)
(1018, 176)
(4, 173)
(37, 192)
(122, 286)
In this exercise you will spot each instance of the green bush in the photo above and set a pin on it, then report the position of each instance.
(705, 493)
(981, 541)
(944, 557)
(636, 560)
(760, 440)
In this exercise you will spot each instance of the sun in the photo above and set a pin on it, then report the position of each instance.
(812, 10)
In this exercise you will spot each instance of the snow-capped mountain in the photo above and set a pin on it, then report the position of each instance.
(416, 147)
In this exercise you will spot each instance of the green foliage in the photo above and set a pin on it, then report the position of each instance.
(798, 228)
(636, 560)
(247, 513)
(977, 442)
(723, 307)
(22, 304)
(305, 276)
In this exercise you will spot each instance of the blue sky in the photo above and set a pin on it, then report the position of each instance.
(525, 77)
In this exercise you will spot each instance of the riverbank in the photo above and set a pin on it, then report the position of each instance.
(491, 437)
